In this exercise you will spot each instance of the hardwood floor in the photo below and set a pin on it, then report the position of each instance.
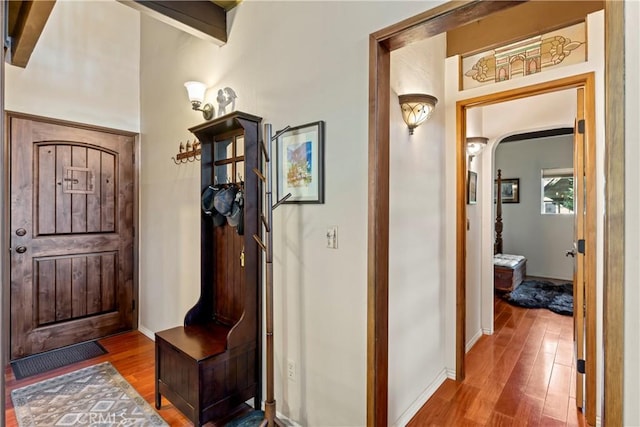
(132, 354)
(521, 375)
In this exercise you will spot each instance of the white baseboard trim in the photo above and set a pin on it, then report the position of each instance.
(286, 420)
(146, 332)
(451, 374)
(487, 331)
(421, 400)
(474, 339)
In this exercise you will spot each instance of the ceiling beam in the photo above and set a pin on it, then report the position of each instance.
(26, 22)
(203, 19)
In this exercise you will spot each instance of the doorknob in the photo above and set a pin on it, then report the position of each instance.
(21, 249)
(21, 232)
(571, 253)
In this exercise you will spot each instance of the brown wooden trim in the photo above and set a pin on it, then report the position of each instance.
(439, 20)
(590, 272)
(527, 20)
(378, 238)
(28, 25)
(69, 123)
(4, 231)
(461, 241)
(614, 258)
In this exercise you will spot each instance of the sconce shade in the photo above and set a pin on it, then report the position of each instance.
(416, 108)
(475, 144)
(196, 92)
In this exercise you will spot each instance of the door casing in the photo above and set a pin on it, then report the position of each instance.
(586, 81)
(6, 223)
(420, 27)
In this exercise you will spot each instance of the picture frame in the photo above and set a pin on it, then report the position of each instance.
(300, 164)
(510, 190)
(472, 188)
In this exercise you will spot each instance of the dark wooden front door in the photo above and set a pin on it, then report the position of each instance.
(71, 235)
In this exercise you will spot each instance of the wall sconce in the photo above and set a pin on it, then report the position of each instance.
(475, 144)
(196, 91)
(416, 108)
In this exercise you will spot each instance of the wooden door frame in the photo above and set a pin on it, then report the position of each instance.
(587, 82)
(6, 198)
(428, 24)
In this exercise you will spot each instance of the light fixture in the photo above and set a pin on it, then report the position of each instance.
(475, 144)
(416, 108)
(196, 91)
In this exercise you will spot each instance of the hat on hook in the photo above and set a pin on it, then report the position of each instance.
(234, 218)
(207, 202)
(223, 200)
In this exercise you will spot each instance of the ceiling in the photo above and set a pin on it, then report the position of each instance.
(204, 19)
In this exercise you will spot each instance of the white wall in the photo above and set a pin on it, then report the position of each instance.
(290, 63)
(416, 289)
(542, 239)
(632, 213)
(85, 67)
(473, 327)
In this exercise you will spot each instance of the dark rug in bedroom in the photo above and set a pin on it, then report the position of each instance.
(542, 294)
(53, 359)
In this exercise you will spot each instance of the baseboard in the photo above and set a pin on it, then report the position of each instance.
(421, 400)
(474, 339)
(285, 420)
(146, 332)
(451, 374)
(486, 331)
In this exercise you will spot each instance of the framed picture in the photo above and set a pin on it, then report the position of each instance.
(472, 185)
(510, 190)
(300, 164)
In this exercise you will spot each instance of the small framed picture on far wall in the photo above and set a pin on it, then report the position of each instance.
(472, 186)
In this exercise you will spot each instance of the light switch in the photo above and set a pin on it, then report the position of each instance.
(332, 237)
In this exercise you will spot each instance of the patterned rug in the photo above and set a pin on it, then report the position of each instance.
(93, 396)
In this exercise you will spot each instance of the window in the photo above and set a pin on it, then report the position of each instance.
(557, 191)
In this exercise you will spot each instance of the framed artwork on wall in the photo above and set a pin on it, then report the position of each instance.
(510, 190)
(472, 186)
(300, 164)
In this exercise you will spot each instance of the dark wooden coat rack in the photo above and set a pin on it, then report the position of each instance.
(270, 418)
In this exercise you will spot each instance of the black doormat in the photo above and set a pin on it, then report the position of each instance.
(43, 362)
(543, 294)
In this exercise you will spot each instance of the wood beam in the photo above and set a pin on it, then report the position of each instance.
(204, 19)
(26, 28)
(523, 21)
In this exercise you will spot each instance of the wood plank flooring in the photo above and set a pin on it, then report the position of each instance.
(132, 354)
(523, 374)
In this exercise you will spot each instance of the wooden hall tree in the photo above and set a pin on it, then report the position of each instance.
(212, 364)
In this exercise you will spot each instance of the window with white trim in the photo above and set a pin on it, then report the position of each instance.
(557, 191)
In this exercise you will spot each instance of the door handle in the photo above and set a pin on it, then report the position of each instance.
(571, 253)
(21, 249)
(21, 232)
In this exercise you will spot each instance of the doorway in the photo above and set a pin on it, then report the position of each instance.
(72, 240)
(432, 22)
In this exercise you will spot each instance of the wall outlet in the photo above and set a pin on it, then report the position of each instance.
(291, 370)
(332, 237)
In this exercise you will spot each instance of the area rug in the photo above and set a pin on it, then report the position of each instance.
(93, 396)
(543, 294)
(47, 361)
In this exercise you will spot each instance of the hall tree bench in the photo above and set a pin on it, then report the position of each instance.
(211, 365)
